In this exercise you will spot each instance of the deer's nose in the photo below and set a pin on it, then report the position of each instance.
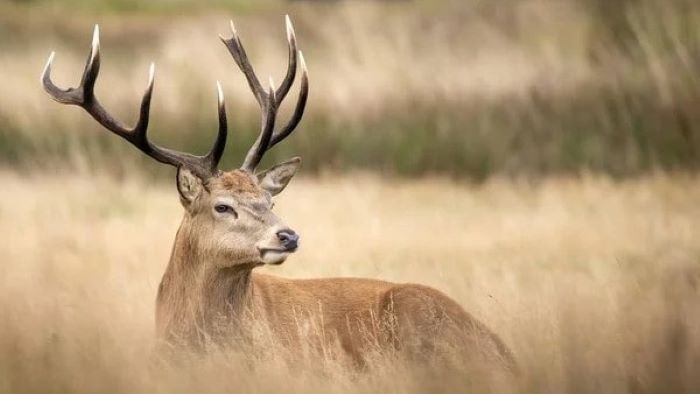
(289, 239)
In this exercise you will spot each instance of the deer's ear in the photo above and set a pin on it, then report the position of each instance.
(188, 185)
(276, 178)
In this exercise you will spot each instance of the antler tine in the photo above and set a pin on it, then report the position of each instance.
(292, 66)
(84, 97)
(298, 110)
(256, 152)
(217, 150)
(235, 47)
(268, 137)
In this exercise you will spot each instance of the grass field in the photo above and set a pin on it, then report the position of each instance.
(593, 283)
(534, 159)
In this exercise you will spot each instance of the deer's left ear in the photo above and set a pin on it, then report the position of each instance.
(275, 179)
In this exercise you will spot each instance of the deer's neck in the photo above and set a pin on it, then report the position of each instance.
(197, 298)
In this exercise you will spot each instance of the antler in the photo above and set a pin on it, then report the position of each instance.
(84, 96)
(270, 100)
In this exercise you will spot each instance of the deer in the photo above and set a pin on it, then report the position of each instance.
(211, 286)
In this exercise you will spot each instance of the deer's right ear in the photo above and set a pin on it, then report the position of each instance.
(275, 179)
(188, 185)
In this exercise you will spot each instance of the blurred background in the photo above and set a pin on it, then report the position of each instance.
(466, 89)
(536, 160)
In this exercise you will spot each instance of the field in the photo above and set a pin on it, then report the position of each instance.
(592, 282)
(537, 160)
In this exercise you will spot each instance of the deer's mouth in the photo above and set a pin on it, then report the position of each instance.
(274, 256)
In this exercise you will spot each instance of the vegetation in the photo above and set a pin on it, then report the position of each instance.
(577, 243)
(461, 89)
(592, 283)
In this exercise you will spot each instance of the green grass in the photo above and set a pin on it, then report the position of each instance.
(599, 131)
(633, 109)
(148, 7)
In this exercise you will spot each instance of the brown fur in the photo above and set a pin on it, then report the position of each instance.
(206, 297)
(236, 181)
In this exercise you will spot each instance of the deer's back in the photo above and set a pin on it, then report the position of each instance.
(364, 315)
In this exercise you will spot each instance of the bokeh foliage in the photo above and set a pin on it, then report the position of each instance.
(465, 89)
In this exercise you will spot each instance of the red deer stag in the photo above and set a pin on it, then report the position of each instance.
(209, 288)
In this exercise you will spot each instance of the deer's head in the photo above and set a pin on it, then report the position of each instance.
(228, 213)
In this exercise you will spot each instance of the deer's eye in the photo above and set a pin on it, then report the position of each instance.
(223, 208)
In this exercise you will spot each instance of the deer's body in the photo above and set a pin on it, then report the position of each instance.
(209, 292)
(206, 299)
(355, 314)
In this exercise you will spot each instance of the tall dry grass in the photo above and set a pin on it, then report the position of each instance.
(467, 89)
(592, 283)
